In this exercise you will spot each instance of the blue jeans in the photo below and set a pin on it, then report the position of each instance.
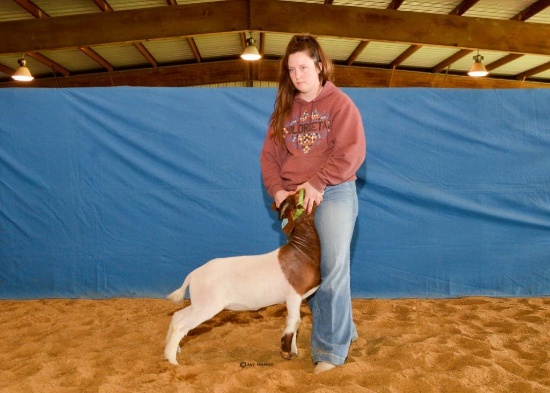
(333, 328)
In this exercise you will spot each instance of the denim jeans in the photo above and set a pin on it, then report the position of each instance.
(333, 328)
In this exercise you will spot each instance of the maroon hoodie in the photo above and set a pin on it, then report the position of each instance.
(324, 144)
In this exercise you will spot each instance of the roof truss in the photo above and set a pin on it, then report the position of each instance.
(265, 16)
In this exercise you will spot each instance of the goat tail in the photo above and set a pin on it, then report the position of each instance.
(178, 295)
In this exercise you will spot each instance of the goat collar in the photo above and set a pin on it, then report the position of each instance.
(300, 205)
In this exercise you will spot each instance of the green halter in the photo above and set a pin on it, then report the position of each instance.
(299, 209)
(300, 205)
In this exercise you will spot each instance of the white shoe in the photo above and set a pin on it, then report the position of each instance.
(322, 367)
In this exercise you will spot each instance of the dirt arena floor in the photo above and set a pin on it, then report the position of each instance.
(472, 344)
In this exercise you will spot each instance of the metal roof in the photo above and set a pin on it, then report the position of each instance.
(202, 48)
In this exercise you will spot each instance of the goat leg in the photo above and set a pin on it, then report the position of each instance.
(288, 341)
(286, 345)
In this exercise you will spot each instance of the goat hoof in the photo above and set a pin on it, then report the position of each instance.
(286, 355)
(173, 361)
(171, 358)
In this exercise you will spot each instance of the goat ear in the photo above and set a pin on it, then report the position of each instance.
(283, 207)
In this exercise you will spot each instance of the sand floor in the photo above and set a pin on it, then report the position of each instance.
(472, 344)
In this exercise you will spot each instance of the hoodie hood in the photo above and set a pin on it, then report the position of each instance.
(328, 89)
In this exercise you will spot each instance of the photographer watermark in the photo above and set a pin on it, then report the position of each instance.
(255, 364)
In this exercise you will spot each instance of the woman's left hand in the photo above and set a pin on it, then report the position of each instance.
(312, 196)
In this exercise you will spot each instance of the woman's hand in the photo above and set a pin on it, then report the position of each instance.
(312, 196)
(280, 196)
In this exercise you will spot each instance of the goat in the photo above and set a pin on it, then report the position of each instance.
(288, 274)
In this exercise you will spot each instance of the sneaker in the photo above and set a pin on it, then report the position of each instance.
(323, 366)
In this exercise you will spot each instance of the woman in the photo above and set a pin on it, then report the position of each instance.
(316, 141)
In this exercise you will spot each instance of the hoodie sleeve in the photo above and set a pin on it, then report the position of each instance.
(271, 159)
(347, 138)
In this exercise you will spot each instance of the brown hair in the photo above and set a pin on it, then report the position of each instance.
(286, 92)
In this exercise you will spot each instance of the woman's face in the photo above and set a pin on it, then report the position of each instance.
(304, 73)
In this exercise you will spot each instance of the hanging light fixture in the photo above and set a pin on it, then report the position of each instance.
(251, 52)
(478, 69)
(22, 74)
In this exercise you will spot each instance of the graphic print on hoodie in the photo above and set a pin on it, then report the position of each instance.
(307, 131)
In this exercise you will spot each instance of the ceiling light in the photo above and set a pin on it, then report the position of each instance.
(478, 69)
(251, 52)
(22, 74)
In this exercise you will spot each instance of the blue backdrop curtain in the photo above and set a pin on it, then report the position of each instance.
(122, 191)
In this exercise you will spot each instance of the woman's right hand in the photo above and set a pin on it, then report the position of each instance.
(281, 195)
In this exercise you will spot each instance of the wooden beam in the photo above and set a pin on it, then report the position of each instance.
(6, 70)
(463, 7)
(502, 61)
(395, 4)
(32, 8)
(38, 13)
(123, 26)
(194, 48)
(356, 52)
(371, 77)
(450, 60)
(249, 73)
(185, 75)
(145, 53)
(266, 15)
(103, 5)
(97, 58)
(406, 27)
(534, 71)
(532, 10)
(405, 55)
(267, 70)
(466, 4)
(458, 10)
(49, 63)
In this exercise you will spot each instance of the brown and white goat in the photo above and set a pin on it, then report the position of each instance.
(288, 274)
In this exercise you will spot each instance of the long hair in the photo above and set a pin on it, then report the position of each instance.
(286, 91)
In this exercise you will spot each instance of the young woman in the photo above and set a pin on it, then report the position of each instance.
(316, 141)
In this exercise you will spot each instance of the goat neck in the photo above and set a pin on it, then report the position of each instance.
(300, 257)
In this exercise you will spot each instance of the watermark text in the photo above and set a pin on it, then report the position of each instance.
(255, 364)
